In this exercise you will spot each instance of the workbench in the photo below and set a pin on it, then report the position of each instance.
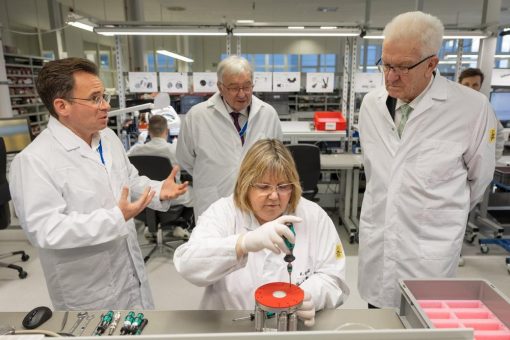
(194, 324)
(348, 166)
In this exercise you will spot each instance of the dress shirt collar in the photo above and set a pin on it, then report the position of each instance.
(416, 100)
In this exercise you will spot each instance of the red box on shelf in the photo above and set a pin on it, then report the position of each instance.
(329, 121)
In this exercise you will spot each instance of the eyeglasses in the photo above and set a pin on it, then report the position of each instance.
(400, 70)
(268, 189)
(234, 89)
(97, 100)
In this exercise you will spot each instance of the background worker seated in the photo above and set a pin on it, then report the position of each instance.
(158, 146)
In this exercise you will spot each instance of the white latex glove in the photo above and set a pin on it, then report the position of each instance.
(270, 236)
(307, 311)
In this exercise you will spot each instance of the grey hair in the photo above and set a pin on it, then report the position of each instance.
(235, 65)
(425, 28)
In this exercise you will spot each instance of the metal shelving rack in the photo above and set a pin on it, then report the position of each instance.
(21, 72)
(314, 102)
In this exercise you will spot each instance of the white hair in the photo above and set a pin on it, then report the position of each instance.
(424, 28)
(235, 65)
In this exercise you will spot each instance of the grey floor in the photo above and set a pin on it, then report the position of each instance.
(171, 292)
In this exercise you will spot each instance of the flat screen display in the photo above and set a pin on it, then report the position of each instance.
(501, 105)
(16, 133)
(188, 101)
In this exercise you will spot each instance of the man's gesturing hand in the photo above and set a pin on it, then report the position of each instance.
(131, 209)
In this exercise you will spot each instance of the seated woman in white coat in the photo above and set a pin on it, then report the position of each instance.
(237, 244)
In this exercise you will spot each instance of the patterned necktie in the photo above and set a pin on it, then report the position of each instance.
(405, 111)
(235, 117)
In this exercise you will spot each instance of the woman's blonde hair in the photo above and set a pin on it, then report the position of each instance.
(266, 156)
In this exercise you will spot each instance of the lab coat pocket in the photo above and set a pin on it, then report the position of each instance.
(441, 233)
(438, 159)
(86, 281)
(78, 190)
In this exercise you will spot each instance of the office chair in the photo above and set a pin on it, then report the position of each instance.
(158, 168)
(5, 213)
(308, 163)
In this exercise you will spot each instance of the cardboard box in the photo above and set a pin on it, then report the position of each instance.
(329, 121)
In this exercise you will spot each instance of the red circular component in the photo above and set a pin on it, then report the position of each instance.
(279, 295)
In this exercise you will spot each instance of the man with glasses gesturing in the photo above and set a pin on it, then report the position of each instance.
(71, 189)
(428, 145)
(216, 134)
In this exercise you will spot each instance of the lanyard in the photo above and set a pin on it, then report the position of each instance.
(242, 132)
(100, 150)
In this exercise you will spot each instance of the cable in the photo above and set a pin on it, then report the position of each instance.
(39, 331)
(36, 33)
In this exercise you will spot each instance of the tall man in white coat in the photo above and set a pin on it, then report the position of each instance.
(428, 147)
(71, 189)
(216, 134)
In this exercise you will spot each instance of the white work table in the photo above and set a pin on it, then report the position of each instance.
(303, 131)
(348, 166)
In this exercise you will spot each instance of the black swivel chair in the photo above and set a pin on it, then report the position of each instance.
(308, 163)
(5, 213)
(158, 168)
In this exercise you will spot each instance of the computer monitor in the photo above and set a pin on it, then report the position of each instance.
(501, 105)
(188, 101)
(16, 133)
(280, 101)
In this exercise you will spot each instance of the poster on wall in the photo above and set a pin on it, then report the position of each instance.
(263, 81)
(366, 82)
(143, 81)
(205, 82)
(173, 82)
(286, 81)
(320, 82)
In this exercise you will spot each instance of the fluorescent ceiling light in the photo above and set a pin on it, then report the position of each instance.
(454, 56)
(328, 27)
(175, 55)
(81, 22)
(378, 37)
(455, 62)
(296, 27)
(245, 21)
(81, 25)
(306, 32)
(375, 34)
(161, 30)
(465, 35)
(502, 56)
(447, 35)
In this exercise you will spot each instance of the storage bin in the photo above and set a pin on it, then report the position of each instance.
(456, 303)
(330, 121)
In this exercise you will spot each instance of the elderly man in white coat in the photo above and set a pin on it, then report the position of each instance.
(71, 189)
(216, 134)
(428, 147)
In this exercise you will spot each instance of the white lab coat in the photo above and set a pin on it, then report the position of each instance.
(420, 188)
(210, 149)
(66, 201)
(209, 258)
(160, 147)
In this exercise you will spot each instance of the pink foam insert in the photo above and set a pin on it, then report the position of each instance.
(464, 304)
(465, 314)
(446, 324)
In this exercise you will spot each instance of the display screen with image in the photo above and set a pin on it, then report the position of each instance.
(501, 105)
(16, 133)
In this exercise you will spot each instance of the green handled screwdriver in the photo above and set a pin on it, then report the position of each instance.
(290, 257)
